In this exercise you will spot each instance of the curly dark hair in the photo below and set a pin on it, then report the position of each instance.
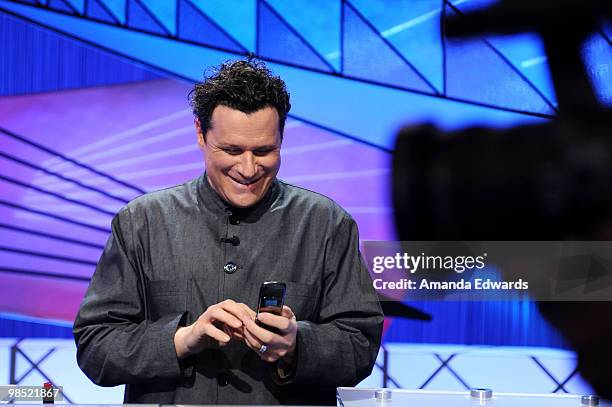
(245, 85)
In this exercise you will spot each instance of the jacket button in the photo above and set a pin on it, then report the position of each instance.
(230, 268)
(234, 220)
(223, 379)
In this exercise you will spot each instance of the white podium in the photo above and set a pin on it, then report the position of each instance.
(360, 397)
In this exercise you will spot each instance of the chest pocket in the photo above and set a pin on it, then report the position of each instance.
(303, 299)
(167, 297)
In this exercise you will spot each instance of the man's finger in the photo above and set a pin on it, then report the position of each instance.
(221, 315)
(238, 310)
(251, 341)
(261, 334)
(216, 334)
(249, 312)
(234, 333)
(287, 312)
(279, 322)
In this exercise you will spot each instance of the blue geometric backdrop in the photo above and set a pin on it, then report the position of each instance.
(94, 113)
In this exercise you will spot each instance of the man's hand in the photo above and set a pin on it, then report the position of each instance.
(278, 346)
(220, 322)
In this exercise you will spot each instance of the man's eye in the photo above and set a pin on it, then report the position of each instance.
(262, 152)
(232, 151)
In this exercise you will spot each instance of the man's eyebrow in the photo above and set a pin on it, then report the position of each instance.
(234, 146)
(266, 147)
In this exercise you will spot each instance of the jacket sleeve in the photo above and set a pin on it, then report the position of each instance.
(340, 349)
(116, 343)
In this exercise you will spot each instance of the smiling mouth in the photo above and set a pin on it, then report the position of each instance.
(245, 183)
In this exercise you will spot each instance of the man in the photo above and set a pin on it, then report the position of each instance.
(170, 308)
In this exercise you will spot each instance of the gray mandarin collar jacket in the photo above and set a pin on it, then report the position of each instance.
(165, 263)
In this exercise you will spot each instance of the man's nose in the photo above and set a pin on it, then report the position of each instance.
(248, 166)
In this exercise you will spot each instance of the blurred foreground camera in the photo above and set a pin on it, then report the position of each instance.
(543, 182)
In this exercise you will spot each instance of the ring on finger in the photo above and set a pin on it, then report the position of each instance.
(263, 349)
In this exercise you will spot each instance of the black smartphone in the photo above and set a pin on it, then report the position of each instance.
(271, 299)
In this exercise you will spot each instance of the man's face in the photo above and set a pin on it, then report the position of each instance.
(241, 153)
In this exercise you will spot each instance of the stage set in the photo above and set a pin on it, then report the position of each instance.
(94, 112)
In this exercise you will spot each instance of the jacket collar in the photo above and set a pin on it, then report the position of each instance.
(211, 201)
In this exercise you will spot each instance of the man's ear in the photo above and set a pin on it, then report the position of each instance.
(198, 126)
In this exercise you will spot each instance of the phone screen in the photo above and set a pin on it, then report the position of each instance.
(271, 299)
